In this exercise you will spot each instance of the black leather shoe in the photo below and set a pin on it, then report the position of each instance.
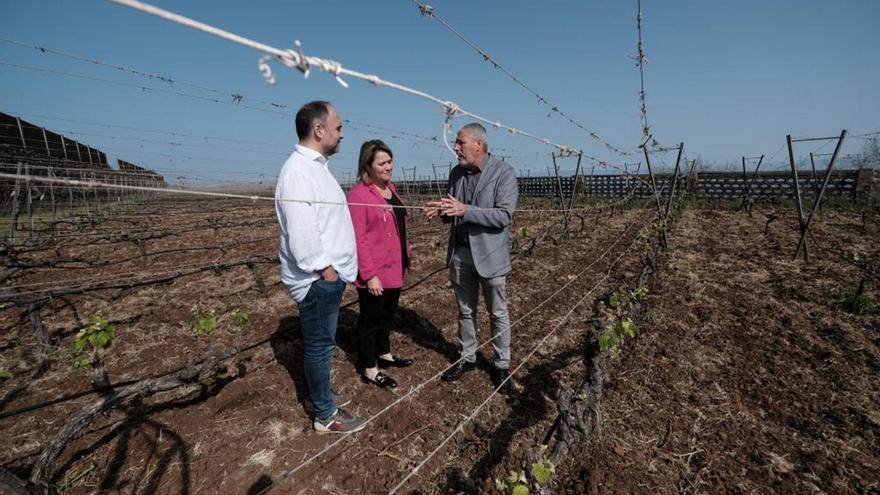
(498, 376)
(382, 381)
(454, 373)
(396, 362)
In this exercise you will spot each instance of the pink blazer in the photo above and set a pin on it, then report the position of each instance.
(378, 240)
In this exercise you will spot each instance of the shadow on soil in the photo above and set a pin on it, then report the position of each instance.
(528, 408)
(150, 447)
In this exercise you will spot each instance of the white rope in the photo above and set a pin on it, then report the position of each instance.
(535, 349)
(437, 375)
(298, 60)
(92, 184)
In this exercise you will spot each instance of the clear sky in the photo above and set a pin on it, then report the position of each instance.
(727, 78)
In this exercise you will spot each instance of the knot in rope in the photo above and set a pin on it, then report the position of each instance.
(450, 109)
(426, 10)
(334, 68)
(373, 79)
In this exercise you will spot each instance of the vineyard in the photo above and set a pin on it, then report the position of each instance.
(694, 298)
(152, 348)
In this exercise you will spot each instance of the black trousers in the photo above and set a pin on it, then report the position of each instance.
(374, 324)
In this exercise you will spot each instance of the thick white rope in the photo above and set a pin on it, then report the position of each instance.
(297, 59)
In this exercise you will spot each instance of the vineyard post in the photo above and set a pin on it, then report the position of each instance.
(692, 179)
(803, 239)
(30, 198)
(15, 203)
(635, 183)
(70, 201)
(674, 181)
(21, 133)
(755, 173)
(592, 182)
(577, 170)
(64, 147)
(797, 193)
(558, 182)
(85, 192)
(626, 178)
(653, 180)
(46, 141)
(436, 180)
(745, 191)
(95, 190)
(52, 197)
(560, 196)
(815, 181)
(406, 185)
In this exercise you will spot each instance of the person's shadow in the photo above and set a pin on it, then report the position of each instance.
(287, 343)
(287, 346)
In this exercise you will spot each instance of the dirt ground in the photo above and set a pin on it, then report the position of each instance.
(746, 376)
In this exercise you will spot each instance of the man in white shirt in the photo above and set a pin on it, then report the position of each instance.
(318, 254)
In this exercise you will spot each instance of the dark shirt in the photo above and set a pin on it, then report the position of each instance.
(471, 178)
(400, 217)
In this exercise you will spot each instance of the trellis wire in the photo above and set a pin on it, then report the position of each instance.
(522, 363)
(286, 474)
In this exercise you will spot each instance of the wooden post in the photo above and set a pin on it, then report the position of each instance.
(797, 193)
(803, 239)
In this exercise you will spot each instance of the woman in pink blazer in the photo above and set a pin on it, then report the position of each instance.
(383, 256)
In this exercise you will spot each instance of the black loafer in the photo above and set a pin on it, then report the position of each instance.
(382, 381)
(455, 373)
(498, 383)
(396, 362)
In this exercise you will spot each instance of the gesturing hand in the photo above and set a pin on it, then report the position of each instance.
(452, 207)
(432, 209)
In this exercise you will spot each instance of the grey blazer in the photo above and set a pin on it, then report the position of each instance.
(488, 231)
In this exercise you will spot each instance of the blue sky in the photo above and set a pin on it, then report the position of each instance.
(727, 78)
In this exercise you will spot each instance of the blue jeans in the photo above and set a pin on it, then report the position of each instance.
(318, 314)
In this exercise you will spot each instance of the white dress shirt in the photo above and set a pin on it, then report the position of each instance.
(313, 236)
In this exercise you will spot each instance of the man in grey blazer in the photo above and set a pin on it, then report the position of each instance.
(481, 198)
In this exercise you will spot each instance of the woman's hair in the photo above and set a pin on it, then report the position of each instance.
(368, 154)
